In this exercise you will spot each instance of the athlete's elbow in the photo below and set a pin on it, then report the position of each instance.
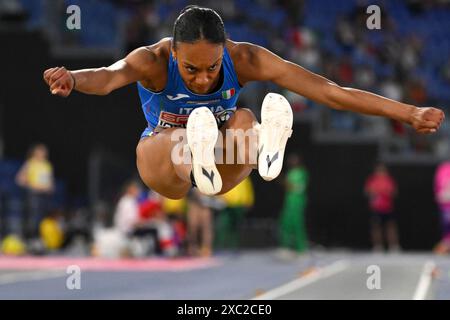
(334, 96)
(104, 90)
(106, 81)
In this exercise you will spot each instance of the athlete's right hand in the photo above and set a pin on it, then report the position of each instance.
(60, 81)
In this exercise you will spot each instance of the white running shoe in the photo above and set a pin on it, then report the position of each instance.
(275, 129)
(202, 134)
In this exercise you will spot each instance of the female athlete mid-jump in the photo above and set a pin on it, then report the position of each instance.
(192, 80)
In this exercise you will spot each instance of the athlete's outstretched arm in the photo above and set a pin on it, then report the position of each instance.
(101, 81)
(265, 65)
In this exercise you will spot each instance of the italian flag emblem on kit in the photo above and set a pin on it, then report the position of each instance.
(228, 94)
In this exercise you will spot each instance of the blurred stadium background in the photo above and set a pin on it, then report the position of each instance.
(91, 142)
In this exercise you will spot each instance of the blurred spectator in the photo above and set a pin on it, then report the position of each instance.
(381, 189)
(391, 89)
(77, 232)
(36, 176)
(344, 72)
(200, 223)
(442, 196)
(238, 200)
(143, 223)
(345, 33)
(154, 222)
(364, 77)
(416, 92)
(298, 103)
(387, 51)
(126, 215)
(115, 242)
(304, 48)
(293, 234)
(410, 53)
(175, 211)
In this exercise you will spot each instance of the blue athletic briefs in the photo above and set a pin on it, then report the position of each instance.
(171, 107)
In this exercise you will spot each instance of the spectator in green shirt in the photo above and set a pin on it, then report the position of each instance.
(292, 221)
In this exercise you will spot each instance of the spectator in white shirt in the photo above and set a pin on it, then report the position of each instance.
(126, 216)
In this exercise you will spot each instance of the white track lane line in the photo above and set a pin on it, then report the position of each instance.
(15, 277)
(321, 273)
(424, 281)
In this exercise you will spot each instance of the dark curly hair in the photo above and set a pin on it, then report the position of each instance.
(197, 23)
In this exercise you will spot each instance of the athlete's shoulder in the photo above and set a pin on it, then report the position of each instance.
(246, 59)
(153, 54)
(161, 49)
(152, 61)
(241, 52)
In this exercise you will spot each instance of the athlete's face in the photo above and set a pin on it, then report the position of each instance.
(199, 64)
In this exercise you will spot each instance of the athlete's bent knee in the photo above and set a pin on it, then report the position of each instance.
(245, 115)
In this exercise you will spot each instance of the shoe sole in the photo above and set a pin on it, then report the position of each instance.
(202, 134)
(275, 130)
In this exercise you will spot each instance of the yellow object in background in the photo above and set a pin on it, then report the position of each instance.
(171, 206)
(12, 245)
(39, 174)
(51, 234)
(240, 196)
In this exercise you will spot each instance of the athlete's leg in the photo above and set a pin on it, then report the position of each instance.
(155, 166)
(160, 173)
(242, 138)
(158, 170)
(202, 137)
(244, 153)
(275, 130)
(264, 144)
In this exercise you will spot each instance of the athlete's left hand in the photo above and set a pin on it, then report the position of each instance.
(60, 81)
(427, 120)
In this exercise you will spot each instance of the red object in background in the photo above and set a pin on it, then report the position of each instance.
(398, 127)
(345, 72)
(180, 230)
(381, 188)
(149, 209)
(298, 106)
(295, 37)
(418, 93)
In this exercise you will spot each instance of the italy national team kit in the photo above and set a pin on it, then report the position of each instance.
(172, 106)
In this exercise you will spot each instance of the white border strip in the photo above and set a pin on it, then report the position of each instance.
(321, 273)
(424, 281)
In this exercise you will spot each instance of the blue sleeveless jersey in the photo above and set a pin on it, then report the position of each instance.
(171, 107)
